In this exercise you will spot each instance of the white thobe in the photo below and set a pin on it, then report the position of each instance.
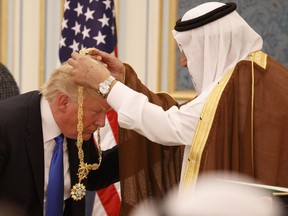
(175, 126)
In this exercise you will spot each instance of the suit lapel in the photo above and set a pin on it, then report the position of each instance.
(73, 160)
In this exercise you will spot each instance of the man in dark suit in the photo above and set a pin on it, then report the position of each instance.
(28, 125)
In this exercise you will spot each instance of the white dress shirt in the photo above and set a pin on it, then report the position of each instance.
(50, 131)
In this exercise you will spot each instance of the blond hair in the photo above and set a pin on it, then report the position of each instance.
(61, 81)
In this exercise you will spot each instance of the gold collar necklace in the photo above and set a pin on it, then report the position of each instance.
(78, 191)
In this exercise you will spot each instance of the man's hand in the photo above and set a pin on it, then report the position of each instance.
(86, 71)
(114, 65)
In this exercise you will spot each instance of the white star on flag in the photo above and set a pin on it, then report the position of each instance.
(87, 23)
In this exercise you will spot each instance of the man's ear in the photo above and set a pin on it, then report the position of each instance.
(62, 102)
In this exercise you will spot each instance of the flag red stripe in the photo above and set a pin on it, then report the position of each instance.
(112, 117)
(110, 200)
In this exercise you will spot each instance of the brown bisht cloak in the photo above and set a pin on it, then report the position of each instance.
(147, 169)
(249, 131)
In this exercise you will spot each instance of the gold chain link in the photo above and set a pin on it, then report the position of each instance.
(78, 190)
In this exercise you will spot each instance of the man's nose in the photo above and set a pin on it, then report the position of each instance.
(100, 121)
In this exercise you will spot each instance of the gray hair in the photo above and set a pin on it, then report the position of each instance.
(60, 81)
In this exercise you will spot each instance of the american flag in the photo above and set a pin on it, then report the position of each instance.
(91, 23)
(87, 23)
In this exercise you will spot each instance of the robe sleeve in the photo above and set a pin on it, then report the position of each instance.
(147, 169)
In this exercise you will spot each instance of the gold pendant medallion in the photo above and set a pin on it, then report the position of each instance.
(78, 191)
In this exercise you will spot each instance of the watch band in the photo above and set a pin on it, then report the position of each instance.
(105, 86)
(109, 80)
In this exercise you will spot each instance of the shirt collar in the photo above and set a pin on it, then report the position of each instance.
(49, 126)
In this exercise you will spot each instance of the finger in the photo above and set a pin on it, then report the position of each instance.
(101, 53)
(104, 54)
(101, 63)
(96, 57)
(71, 62)
(75, 55)
(95, 51)
(99, 58)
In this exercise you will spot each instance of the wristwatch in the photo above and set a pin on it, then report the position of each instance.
(105, 86)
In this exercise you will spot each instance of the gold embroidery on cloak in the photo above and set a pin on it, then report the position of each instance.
(259, 58)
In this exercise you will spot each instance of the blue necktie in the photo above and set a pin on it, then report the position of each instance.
(55, 190)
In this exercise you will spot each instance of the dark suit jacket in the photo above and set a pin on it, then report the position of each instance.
(22, 159)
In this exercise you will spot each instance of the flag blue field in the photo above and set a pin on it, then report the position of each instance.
(87, 23)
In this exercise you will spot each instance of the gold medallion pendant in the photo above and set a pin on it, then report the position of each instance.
(78, 191)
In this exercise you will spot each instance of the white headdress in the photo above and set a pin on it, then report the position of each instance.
(214, 40)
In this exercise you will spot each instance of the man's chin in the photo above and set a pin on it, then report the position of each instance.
(86, 137)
